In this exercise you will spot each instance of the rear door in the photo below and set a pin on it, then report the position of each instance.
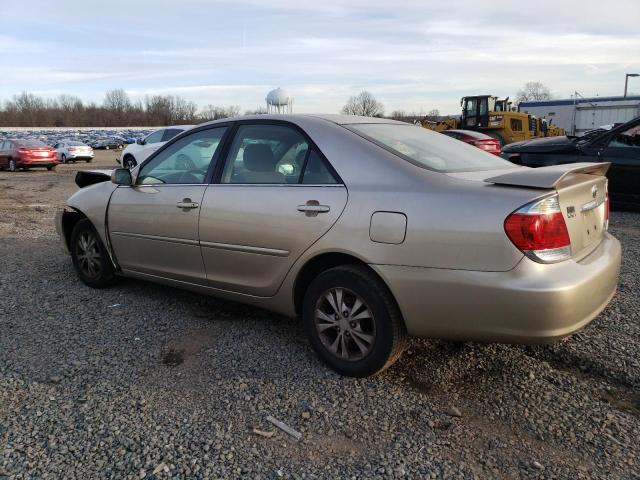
(153, 225)
(276, 195)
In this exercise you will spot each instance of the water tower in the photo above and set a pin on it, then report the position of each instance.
(279, 101)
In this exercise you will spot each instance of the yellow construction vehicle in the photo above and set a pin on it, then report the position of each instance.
(496, 118)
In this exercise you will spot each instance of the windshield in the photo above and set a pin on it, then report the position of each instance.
(428, 149)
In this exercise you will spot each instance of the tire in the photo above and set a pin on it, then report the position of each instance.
(95, 271)
(88, 160)
(373, 341)
(129, 162)
(106, 147)
(12, 165)
(51, 167)
(63, 158)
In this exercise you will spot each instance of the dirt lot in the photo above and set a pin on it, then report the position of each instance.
(144, 381)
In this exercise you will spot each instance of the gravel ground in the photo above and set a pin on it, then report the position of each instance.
(145, 381)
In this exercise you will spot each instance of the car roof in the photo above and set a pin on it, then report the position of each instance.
(295, 118)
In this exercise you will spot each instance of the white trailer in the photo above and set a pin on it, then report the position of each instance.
(578, 115)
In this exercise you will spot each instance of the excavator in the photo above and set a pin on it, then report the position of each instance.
(495, 117)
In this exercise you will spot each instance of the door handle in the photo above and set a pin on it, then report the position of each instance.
(187, 204)
(312, 208)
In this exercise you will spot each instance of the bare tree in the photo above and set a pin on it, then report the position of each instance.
(533, 91)
(257, 111)
(433, 115)
(363, 104)
(214, 112)
(118, 104)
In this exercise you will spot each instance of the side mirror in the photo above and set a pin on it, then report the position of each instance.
(140, 141)
(121, 176)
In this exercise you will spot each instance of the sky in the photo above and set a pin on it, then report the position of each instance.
(411, 55)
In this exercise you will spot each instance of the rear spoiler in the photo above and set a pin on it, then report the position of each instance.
(84, 178)
(548, 177)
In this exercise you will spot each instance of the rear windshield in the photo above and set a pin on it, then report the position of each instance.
(27, 142)
(427, 149)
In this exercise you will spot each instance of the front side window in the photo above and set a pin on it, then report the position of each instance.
(185, 161)
(155, 137)
(265, 154)
(627, 139)
(428, 149)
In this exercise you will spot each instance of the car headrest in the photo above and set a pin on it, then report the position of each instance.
(258, 157)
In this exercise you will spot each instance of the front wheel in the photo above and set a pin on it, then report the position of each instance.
(353, 322)
(129, 162)
(89, 255)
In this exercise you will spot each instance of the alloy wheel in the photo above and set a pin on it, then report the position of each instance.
(88, 255)
(345, 324)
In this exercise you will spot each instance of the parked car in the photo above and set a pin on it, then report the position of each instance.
(26, 154)
(137, 152)
(72, 151)
(375, 230)
(477, 139)
(106, 143)
(620, 146)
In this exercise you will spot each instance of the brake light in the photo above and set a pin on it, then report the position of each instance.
(539, 231)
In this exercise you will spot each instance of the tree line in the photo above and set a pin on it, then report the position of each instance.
(116, 110)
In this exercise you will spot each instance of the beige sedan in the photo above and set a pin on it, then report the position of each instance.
(370, 230)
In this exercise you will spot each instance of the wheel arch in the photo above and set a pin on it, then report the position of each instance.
(322, 262)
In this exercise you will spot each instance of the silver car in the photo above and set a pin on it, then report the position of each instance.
(370, 230)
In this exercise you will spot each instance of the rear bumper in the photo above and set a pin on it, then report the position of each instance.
(45, 162)
(533, 303)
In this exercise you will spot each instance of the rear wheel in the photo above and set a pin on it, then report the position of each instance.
(90, 258)
(353, 322)
(12, 165)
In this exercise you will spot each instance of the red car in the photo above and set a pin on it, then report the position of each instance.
(26, 154)
(477, 139)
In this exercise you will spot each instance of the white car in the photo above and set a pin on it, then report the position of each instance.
(72, 151)
(136, 153)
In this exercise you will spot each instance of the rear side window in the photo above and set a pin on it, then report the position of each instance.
(428, 149)
(316, 171)
(271, 154)
(169, 133)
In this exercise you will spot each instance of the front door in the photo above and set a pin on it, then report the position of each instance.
(276, 196)
(153, 225)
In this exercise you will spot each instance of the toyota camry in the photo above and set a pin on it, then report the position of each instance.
(369, 230)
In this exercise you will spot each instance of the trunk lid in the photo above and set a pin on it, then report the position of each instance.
(582, 195)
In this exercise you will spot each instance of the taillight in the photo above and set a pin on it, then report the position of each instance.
(539, 231)
(491, 146)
